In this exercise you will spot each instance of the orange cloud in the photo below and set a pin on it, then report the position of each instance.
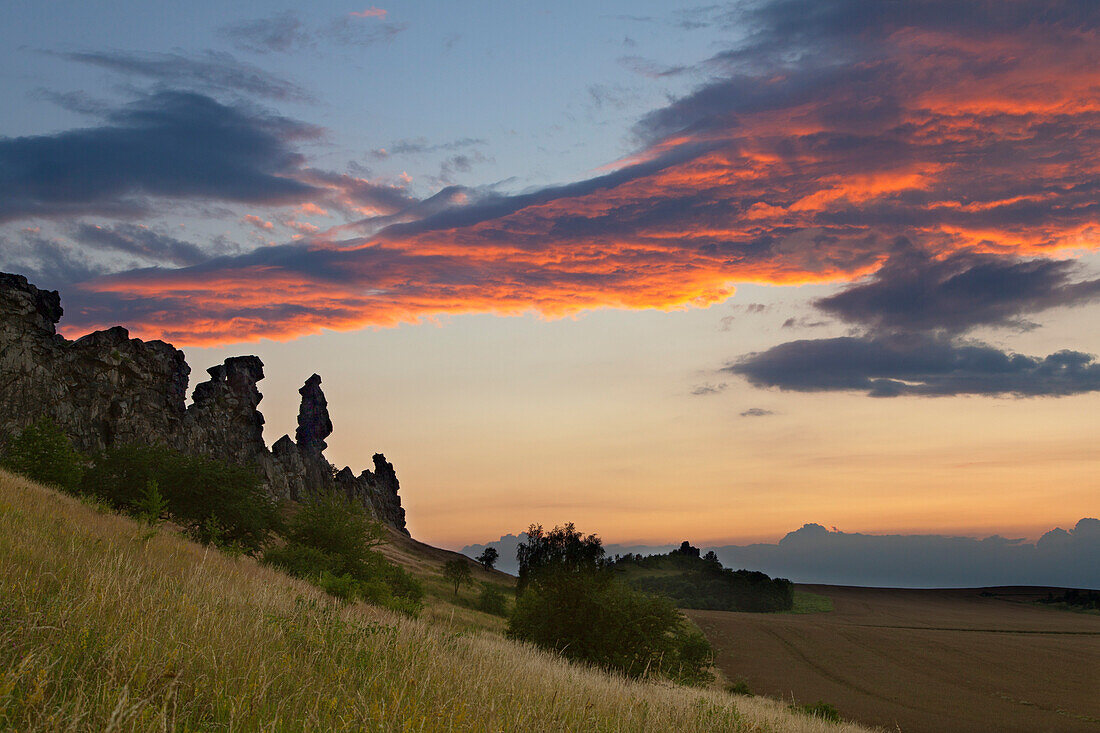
(953, 140)
(371, 12)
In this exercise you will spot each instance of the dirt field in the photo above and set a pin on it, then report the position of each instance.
(923, 661)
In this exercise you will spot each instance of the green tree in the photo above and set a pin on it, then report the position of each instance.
(330, 541)
(488, 557)
(217, 502)
(458, 572)
(43, 453)
(492, 600)
(556, 551)
(572, 604)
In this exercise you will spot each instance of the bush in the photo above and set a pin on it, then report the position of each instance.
(330, 541)
(216, 502)
(43, 453)
(740, 687)
(492, 600)
(573, 605)
(820, 709)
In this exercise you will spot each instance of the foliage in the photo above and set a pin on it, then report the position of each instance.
(492, 600)
(572, 605)
(560, 550)
(152, 505)
(98, 632)
(488, 557)
(42, 452)
(740, 687)
(216, 502)
(330, 542)
(1077, 599)
(820, 709)
(457, 572)
(695, 582)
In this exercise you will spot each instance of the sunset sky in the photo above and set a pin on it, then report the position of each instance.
(662, 270)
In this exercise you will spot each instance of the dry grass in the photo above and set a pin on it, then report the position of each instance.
(108, 625)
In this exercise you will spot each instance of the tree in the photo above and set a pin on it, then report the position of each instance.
(488, 558)
(571, 603)
(560, 550)
(687, 549)
(712, 557)
(42, 452)
(458, 572)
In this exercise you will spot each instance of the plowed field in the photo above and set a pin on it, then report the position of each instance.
(923, 661)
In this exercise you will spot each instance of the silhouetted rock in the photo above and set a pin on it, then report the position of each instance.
(106, 388)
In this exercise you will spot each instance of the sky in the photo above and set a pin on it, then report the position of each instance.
(663, 270)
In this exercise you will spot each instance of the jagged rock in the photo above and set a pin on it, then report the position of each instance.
(107, 388)
(314, 424)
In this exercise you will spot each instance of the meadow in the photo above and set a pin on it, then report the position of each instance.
(922, 661)
(108, 624)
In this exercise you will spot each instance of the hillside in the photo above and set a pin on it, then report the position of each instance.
(694, 582)
(106, 624)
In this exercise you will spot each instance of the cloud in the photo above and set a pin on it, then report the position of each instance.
(814, 554)
(818, 140)
(351, 31)
(282, 33)
(168, 144)
(371, 12)
(708, 389)
(756, 412)
(959, 291)
(916, 364)
(209, 72)
(143, 242)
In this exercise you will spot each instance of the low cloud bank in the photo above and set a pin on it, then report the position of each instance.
(814, 554)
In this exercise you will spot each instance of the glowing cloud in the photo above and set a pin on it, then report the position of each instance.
(957, 126)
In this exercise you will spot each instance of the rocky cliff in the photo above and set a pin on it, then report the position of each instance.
(108, 388)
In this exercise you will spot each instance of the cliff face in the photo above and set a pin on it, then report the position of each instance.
(107, 388)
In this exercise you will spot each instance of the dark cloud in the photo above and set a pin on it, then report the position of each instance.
(282, 33)
(79, 102)
(955, 293)
(169, 144)
(148, 244)
(355, 31)
(916, 364)
(803, 323)
(708, 389)
(49, 262)
(420, 145)
(209, 72)
(756, 412)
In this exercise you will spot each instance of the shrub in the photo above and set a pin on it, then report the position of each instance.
(152, 505)
(457, 572)
(330, 541)
(488, 557)
(43, 453)
(492, 600)
(573, 605)
(740, 687)
(216, 502)
(820, 709)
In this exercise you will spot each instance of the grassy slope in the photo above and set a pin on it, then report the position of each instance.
(107, 625)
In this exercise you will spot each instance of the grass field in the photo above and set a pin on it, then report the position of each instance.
(923, 661)
(108, 625)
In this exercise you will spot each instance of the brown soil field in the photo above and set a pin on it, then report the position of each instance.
(923, 661)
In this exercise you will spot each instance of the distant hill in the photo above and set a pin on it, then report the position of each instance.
(694, 582)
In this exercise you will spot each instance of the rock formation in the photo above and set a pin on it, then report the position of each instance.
(106, 389)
